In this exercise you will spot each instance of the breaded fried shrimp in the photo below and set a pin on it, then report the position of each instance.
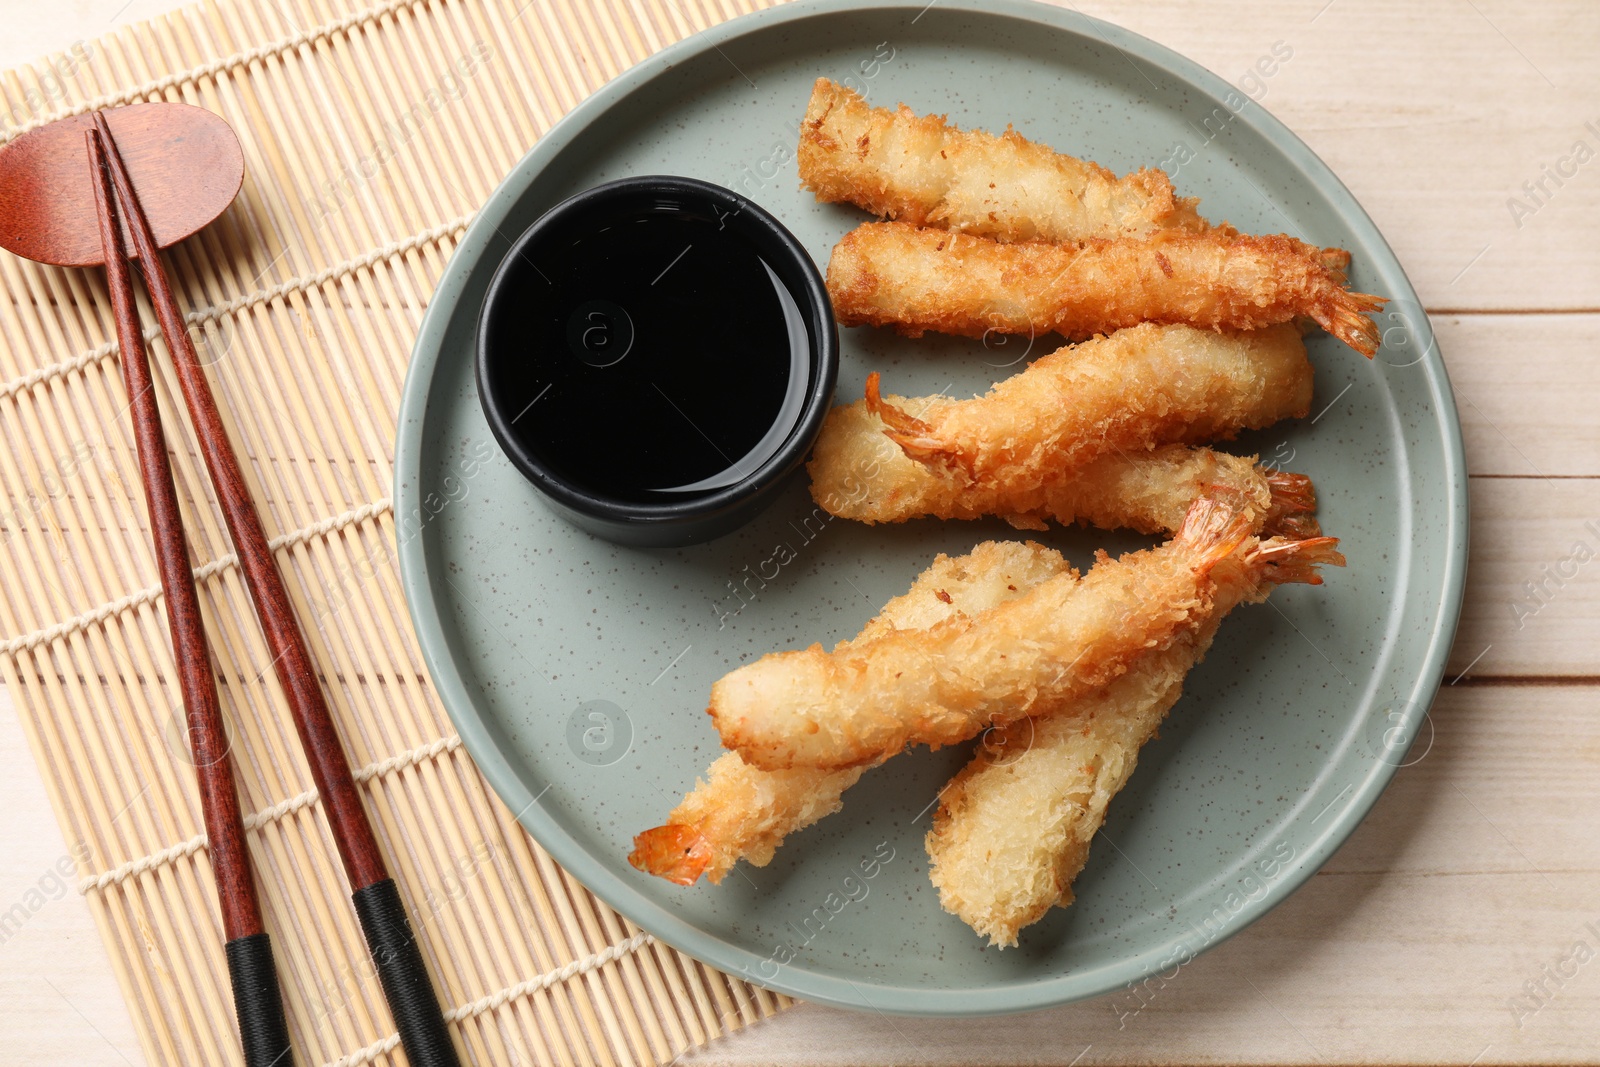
(858, 473)
(1014, 826)
(923, 171)
(1067, 637)
(740, 812)
(896, 274)
(1140, 387)
(737, 812)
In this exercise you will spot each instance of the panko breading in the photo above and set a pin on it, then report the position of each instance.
(858, 473)
(923, 171)
(896, 274)
(1140, 387)
(737, 812)
(1065, 638)
(1014, 826)
(741, 812)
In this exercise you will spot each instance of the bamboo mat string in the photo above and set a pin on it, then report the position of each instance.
(371, 132)
(505, 996)
(256, 819)
(218, 66)
(150, 594)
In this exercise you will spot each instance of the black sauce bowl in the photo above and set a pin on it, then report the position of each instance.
(509, 389)
(521, 303)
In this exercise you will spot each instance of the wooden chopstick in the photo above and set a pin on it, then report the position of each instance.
(401, 969)
(258, 1000)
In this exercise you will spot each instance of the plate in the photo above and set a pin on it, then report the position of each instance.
(577, 671)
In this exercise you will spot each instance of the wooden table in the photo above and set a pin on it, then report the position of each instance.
(1461, 923)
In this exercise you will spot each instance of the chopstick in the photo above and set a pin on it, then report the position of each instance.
(257, 999)
(401, 970)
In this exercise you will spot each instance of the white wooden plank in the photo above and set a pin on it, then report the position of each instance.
(1546, 533)
(1528, 390)
(59, 1000)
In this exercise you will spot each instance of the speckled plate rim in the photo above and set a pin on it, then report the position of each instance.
(455, 691)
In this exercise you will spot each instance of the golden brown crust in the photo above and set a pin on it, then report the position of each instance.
(921, 170)
(1126, 393)
(917, 279)
(740, 812)
(737, 812)
(1014, 826)
(857, 473)
(1065, 638)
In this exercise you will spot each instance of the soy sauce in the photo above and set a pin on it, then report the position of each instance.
(654, 355)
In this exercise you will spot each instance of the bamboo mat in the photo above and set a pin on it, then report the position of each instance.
(371, 133)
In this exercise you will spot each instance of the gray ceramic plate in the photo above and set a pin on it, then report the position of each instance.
(577, 671)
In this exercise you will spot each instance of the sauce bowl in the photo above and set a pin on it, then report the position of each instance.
(656, 355)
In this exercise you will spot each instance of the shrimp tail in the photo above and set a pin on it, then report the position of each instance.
(1293, 502)
(1291, 492)
(915, 437)
(1344, 315)
(1212, 530)
(676, 852)
(1335, 260)
(1285, 561)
